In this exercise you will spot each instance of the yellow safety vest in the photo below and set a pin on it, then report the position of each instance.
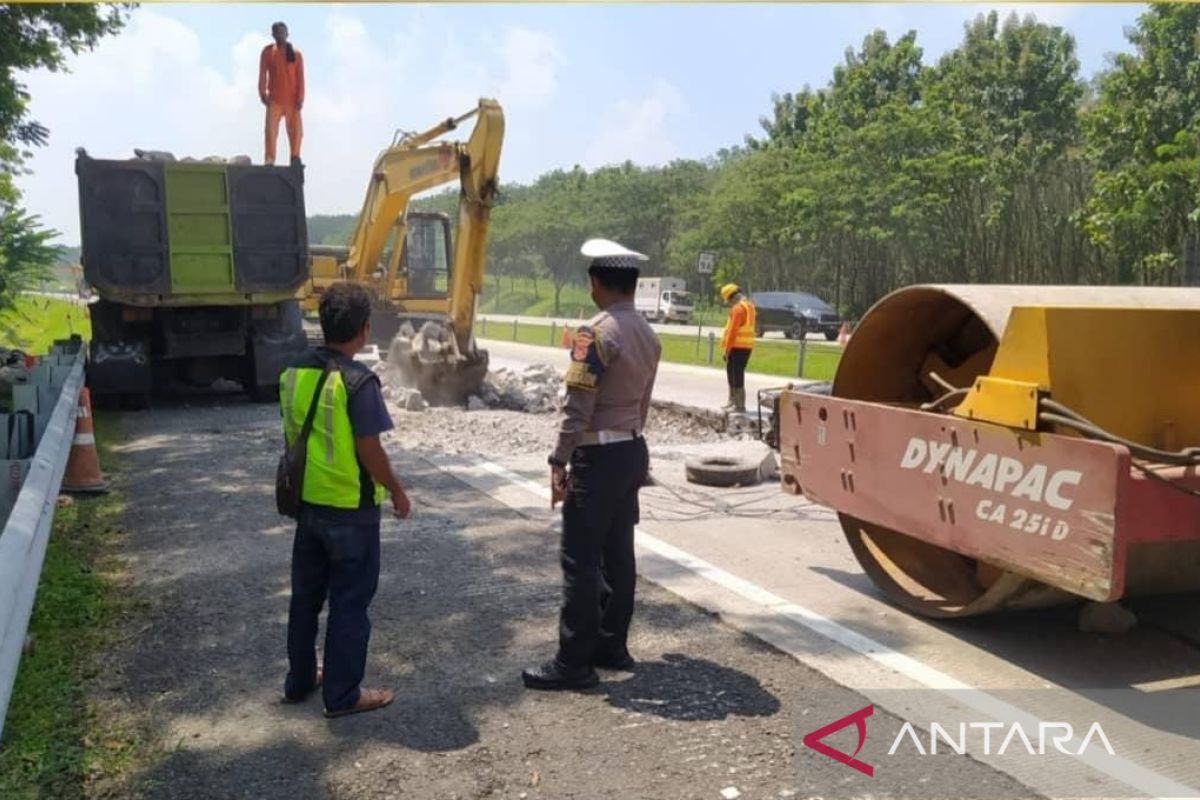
(740, 336)
(333, 475)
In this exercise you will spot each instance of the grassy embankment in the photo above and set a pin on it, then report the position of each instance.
(770, 357)
(520, 298)
(55, 743)
(35, 322)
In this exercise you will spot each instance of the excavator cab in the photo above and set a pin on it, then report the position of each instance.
(421, 289)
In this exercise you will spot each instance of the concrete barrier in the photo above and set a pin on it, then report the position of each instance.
(27, 530)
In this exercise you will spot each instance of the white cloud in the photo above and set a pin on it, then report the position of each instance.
(148, 87)
(531, 63)
(154, 86)
(521, 71)
(638, 130)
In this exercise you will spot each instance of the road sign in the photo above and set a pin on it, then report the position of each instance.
(708, 260)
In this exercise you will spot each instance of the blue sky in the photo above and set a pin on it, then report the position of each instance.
(586, 84)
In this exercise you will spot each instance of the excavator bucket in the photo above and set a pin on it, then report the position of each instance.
(429, 361)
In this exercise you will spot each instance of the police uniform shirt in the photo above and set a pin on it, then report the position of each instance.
(614, 362)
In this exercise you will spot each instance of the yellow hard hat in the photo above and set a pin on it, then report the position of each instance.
(728, 291)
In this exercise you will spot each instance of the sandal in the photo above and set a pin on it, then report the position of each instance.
(317, 685)
(368, 700)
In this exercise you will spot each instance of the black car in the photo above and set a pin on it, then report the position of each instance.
(796, 314)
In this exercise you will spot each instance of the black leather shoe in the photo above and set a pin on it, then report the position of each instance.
(622, 661)
(552, 676)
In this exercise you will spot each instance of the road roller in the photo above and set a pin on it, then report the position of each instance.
(989, 448)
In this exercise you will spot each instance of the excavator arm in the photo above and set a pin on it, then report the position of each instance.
(413, 165)
(442, 360)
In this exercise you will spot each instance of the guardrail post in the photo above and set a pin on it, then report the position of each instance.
(800, 358)
(514, 330)
(552, 325)
(712, 346)
(483, 328)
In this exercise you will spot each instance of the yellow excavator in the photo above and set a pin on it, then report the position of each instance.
(425, 287)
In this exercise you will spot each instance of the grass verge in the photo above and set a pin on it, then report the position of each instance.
(520, 297)
(35, 322)
(769, 358)
(55, 745)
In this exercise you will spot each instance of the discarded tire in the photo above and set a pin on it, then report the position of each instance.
(718, 471)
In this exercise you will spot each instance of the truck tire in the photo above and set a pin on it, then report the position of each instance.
(797, 331)
(722, 472)
(831, 336)
(267, 393)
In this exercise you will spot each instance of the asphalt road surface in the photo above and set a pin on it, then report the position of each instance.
(468, 596)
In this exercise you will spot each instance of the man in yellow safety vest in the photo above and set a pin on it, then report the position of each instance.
(335, 554)
(737, 343)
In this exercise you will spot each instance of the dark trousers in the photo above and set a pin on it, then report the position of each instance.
(599, 571)
(735, 367)
(341, 561)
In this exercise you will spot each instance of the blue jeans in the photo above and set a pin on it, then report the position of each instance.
(341, 561)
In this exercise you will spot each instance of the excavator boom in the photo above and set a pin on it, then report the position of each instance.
(435, 351)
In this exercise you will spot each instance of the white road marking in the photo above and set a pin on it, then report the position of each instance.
(1121, 769)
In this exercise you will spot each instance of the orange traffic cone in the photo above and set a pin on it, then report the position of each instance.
(843, 335)
(83, 474)
(567, 339)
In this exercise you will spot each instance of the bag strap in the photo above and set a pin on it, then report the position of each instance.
(306, 429)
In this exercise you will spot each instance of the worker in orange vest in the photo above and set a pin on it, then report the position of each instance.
(281, 89)
(737, 343)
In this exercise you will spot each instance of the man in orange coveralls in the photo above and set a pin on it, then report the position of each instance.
(281, 88)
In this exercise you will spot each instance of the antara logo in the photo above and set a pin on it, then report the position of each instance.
(859, 720)
(1060, 734)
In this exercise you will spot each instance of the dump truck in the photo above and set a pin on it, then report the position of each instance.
(197, 267)
(1007, 447)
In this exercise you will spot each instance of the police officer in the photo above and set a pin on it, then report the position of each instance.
(614, 361)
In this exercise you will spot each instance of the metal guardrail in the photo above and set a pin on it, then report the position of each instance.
(23, 540)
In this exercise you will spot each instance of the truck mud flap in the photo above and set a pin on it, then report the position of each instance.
(274, 345)
(119, 368)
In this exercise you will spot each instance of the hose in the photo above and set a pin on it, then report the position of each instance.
(1059, 414)
(952, 393)
(1146, 470)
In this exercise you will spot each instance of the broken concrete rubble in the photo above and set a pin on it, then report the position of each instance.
(534, 390)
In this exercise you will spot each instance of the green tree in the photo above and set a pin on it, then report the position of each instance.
(25, 253)
(1141, 139)
(34, 36)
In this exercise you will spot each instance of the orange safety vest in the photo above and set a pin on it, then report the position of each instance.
(739, 328)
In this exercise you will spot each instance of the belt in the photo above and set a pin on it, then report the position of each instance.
(607, 437)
